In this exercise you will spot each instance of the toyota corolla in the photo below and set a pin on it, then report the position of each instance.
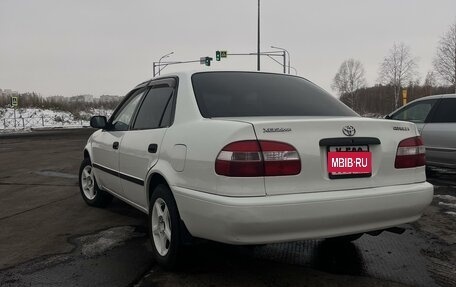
(252, 158)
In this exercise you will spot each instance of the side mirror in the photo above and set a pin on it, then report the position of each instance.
(388, 117)
(98, 122)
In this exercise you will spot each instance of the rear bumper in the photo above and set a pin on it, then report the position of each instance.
(267, 219)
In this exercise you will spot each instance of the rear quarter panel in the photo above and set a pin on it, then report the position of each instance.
(203, 140)
(191, 146)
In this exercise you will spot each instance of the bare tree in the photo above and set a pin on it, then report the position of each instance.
(445, 59)
(349, 79)
(398, 68)
(429, 82)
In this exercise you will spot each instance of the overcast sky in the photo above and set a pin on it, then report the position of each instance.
(60, 47)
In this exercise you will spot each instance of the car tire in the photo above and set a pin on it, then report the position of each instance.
(164, 227)
(90, 192)
(345, 238)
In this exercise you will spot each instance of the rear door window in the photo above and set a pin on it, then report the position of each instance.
(155, 110)
(246, 94)
(416, 112)
(445, 112)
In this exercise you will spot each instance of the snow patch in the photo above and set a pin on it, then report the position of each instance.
(28, 118)
(446, 197)
(452, 205)
(451, 213)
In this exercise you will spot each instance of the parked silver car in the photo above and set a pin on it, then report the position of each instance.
(435, 117)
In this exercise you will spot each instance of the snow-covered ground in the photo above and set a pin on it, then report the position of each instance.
(25, 119)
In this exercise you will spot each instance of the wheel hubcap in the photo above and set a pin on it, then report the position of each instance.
(161, 227)
(88, 182)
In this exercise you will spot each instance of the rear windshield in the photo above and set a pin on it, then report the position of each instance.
(247, 94)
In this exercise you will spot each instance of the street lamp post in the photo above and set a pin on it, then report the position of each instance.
(288, 53)
(258, 44)
(159, 61)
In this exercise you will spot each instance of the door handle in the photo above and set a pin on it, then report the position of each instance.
(115, 145)
(152, 148)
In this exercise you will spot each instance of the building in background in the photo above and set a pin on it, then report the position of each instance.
(109, 99)
(57, 99)
(81, 99)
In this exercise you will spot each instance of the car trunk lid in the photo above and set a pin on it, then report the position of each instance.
(313, 137)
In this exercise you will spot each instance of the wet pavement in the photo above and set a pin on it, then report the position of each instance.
(100, 259)
(388, 258)
(49, 237)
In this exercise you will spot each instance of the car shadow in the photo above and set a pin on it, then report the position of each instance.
(338, 258)
(322, 255)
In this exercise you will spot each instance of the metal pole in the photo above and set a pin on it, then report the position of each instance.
(159, 61)
(159, 66)
(284, 64)
(14, 117)
(288, 54)
(153, 69)
(258, 46)
(288, 61)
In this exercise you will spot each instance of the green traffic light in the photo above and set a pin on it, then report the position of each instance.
(207, 61)
(217, 55)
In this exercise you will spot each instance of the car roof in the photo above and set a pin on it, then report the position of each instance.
(436, 97)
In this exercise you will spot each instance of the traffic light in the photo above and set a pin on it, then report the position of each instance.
(217, 55)
(208, 60)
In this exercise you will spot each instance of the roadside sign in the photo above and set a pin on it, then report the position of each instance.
(223, 54)
(14, 101)
(404, 97)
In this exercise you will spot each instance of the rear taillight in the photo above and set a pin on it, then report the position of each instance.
(410, 153)
(258, 158)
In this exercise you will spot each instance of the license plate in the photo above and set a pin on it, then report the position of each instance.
(349, 161)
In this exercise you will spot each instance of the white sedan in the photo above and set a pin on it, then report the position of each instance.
(252, 158)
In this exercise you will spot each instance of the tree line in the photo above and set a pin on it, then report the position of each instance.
(376, 101)
(397, 71)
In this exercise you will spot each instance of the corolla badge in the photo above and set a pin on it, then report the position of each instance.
(349, 131)
(276, 130)
(405, 129)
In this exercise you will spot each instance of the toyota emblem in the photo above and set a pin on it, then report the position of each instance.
(349, 131)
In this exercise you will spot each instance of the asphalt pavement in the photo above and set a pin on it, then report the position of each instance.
(50, 237)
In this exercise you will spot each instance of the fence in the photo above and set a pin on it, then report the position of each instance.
(41, 121)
